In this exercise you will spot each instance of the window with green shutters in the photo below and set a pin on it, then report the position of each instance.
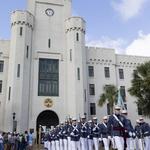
(48, 77)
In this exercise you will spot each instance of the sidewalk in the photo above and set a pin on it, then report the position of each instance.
(37, 147)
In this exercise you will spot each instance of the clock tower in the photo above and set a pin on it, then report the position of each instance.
(48, 65)
(32, 5)
(49, 21)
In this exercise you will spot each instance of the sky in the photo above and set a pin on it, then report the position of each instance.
(120, 24)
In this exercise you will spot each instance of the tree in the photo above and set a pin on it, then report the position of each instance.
(140, 87)
(109, 95)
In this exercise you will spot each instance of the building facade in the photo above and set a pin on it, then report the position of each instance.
(48, 74)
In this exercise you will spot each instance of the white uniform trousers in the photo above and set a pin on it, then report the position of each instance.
(119, 142)
(75, 145)
(57, 145)
(113, 142)
(106, 143)
(136, 143)
(90, 144)
(69, 143)
(53, 145)
(141, 144)
(84, 143)
(61, 147)
(49, 146)
(65, 143)
(130, 144)
(96, 143)
(147, 142)
(46, 144)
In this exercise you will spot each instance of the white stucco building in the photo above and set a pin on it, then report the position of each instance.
(47, 73)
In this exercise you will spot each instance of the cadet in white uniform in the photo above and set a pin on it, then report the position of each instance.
(145, 129)
(95, 133)
(90, 135)
(116, 128)
(75, 135)
(84, 133)
(130, 133)
(104, 133)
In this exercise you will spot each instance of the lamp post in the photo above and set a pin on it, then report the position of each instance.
(14, 122)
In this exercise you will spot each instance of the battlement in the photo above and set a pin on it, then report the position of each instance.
(19, 17)
(75, 23)
(99, 48)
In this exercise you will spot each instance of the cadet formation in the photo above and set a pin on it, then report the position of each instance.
(114, 132)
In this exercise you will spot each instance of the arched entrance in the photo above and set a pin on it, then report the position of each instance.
(48, 119)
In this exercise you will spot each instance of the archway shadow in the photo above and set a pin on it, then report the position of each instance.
(46, 118)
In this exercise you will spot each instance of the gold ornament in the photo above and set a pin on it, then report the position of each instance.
(48, 103)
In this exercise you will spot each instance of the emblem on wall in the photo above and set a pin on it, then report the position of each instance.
(48, 103)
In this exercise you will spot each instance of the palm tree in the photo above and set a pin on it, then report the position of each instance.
(140, 87)
(109, 95)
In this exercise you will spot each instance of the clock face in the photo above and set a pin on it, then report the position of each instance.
(49, 12)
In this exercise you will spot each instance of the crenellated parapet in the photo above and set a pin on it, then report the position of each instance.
(75, 24)
(75, 29)
(22, 23)
(22, 18)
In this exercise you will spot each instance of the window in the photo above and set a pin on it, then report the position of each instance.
(140, 111)
(92, 109)
(77, 36)
(123, 93)
(78, 73)
(85, 95)
(107, 73)
(48, 77)
(49, 43)
(70, 54)
(108, 109)
(0, 86)
(121, 74)
(1, 66)
(21, 30)
(135, 73)
(27, 52)
(92, 89)
(91, 71)
(18, 71)
(9, 93)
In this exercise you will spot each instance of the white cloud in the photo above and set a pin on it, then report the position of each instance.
(128, 8)
(106, 42)
(140, 46)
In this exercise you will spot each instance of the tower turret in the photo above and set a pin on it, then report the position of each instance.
(18, 89)
(76, 69)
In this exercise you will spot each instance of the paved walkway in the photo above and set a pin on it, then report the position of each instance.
(37, 147)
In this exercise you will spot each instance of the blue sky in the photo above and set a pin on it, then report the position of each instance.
(120, 24)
